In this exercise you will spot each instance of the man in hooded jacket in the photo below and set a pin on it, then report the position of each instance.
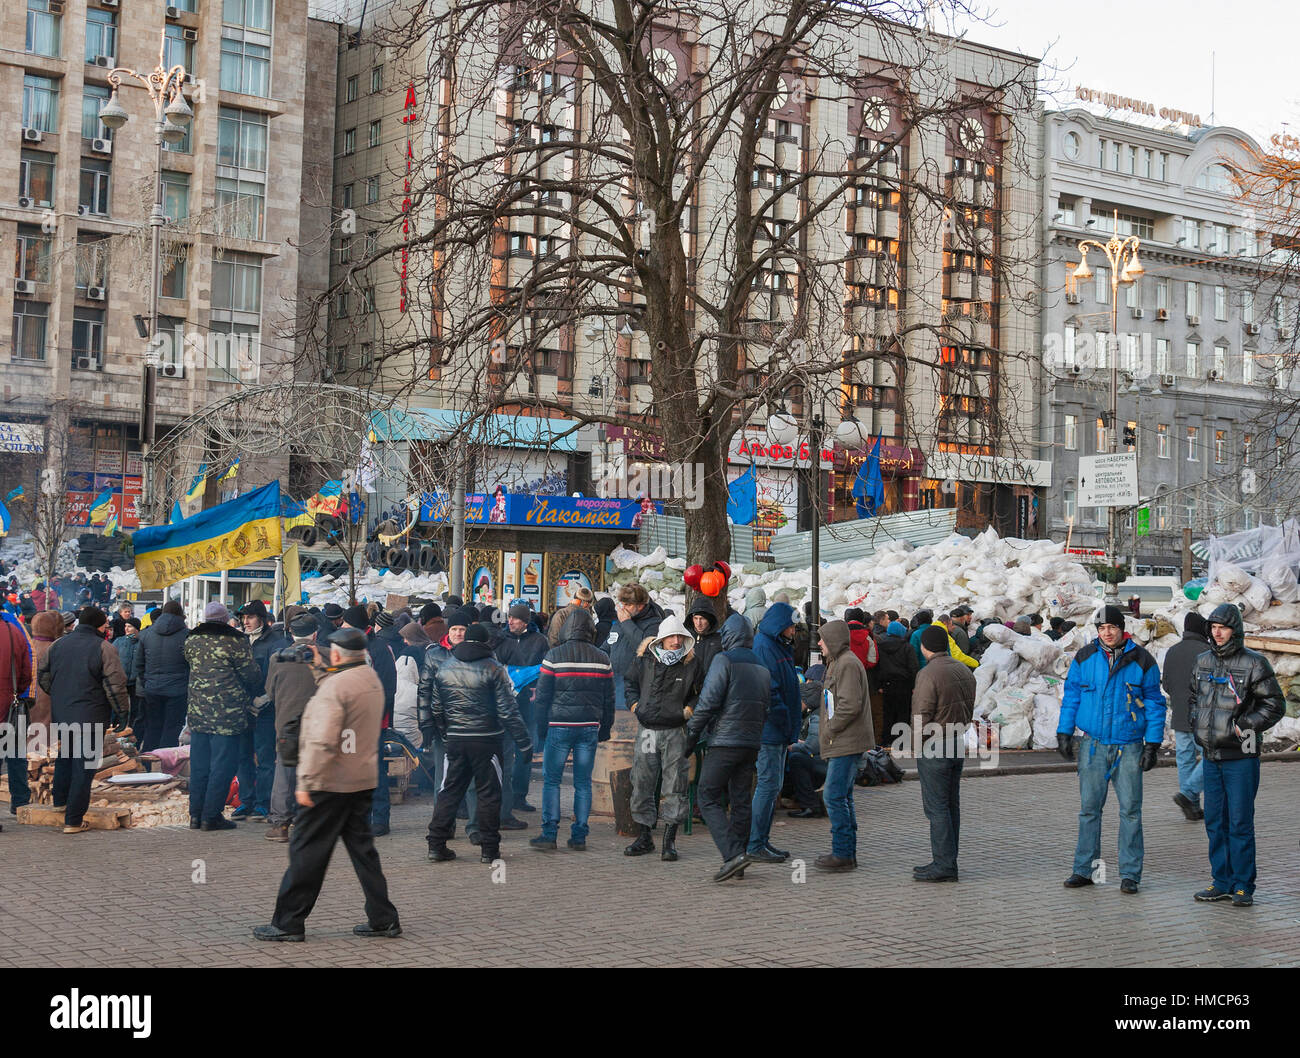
(731, 708)
(662, 685)
(162, 677)
(844, 733)
(522, 645)
(638, 616)
(702, 620)
(896, 676)
(257, 744)
(784, 719)
(1233, 697)
(1175, 677)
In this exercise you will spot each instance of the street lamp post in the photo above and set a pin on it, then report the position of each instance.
(1125, 268)
(171, 115)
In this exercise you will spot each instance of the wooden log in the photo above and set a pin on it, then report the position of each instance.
(99, 818)
(118, 769)
(620, 786)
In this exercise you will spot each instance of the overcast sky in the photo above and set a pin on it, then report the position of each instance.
(1159, 51)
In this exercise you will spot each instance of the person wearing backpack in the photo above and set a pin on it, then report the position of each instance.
(945, 696)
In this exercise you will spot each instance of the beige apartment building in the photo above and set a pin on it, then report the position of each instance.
(246, 195)
(958, 297)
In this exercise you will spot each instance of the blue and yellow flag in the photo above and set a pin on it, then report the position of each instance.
(110, 526)
(14, 494)
(177, 514)
(196, 486)
(226, 536)
(234, 469)
(4, 520)
(295, 514)
(328, 500)
(101, 508)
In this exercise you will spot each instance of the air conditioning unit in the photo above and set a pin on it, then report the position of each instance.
(189, 34)
(1252, 328)
(1283, 333)
(82, 211)
(173, 370)
(56, 7)
(26, 203)
(102, 146)
(1162, 314)
(96, 293)
(24, 286)
(1138, 314)
(1193, 321)
(1212, 375)
(1168, 380)
(85, 363)
(173, 12)
(105, 61)
(33, 135)
(1072, 299)
(108, 3)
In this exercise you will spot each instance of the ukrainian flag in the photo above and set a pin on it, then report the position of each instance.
(296, 514)
(234, 469)
(110, 526)
(101, 508)
(177, 515)
(226, 536)
(4, 520)
(14, 494)
(196, 486)
(328, 500)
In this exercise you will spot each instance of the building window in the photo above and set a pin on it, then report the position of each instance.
(1101, 154)
(42, 29)
(1116, 149)
(1193, 298)
(1132, 167)
(40, 103)
(241, 139)
(1279, 452)
(372, 189)
(1220, 303)
(1251, 518)
(1071, 432)
(94, 187)
(30, 321)
(1146, 163)
(88, 337)
(245, 67)
(181, 146)
(350, 93)
(341, 305)
(175, 267)
(1192, 455)
(1162, 294)
(374, 134)
(1162, 165)
(1132, 353)
(101, 34)
(93, 97)
(237, 283)
(1247, 445)
(1067, 501)
(1247, 306)
(1193, 359)
(1162, 356)
(1103, 286)
(1220, 446)
(1162, 508)
(345, 197)
(176, 196)
(1071, 338)
(1162, 440)
(91, 262)
(344, 251)
(1131, 430)
(1221, 362)
(1189, 511)
(33, 258)
(350, 141)
(377, 79)
(234, 356)
(177, 51)
(1217, 178)
(1133, 294)
(1248, 367)
(251, 14)
(1101, 435)
(240, 206)
(36, 177)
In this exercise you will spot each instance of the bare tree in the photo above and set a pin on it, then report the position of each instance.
(48, 487)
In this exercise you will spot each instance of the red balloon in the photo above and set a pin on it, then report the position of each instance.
(723, 568)
(712, 582)
(692, 577)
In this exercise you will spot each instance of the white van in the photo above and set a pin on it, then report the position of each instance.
(1156, 593)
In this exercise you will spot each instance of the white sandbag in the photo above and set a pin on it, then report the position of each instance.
(1287, 729)
(1047, 714)
(1013, 704)
(1015, 735)
(1286, 616)
(1257, 597)
(1000, 634)
(1040, 653)
(1280, 576)
(1233, 579)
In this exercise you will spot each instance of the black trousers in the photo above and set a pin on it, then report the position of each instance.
(315, 832)
(728, 771)
(478, 759)
(163, 718)
(73, 776)
(806, 774)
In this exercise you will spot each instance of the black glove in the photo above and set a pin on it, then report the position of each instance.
(426, 735)
(1149, 755)
(526, 751)
(688, 751)
(1065, 745)
(604, 735)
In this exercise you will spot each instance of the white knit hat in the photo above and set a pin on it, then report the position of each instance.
(672, 626)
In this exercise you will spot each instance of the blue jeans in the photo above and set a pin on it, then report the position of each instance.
(213, 759)
(1100, 765)
(256, 769)
(837, 795)
(560, 741)
(1191, 778)
(521, 775)
(16, 767)
(381, 804)
(1230, 788)
(941, 798)
(771, 775)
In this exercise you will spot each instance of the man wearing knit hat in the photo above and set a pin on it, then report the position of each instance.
(436, 655)
(290, 683)
(1175, 678)
(1112, 694)
(523, 646)
(384, 662)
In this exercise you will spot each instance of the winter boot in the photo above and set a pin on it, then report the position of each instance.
(643, 844)
(670, 848)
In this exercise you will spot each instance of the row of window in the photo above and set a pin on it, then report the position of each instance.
(1193, 297)
(352, 84)
(373, 134)
(1132, 356)
(1194, 443)
(1126, 158)
(1191, 510)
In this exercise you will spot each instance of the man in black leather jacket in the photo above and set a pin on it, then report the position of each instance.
(1233, 698)
(471, 704)
(732, 707)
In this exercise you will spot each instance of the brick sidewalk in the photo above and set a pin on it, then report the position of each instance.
(108, 899)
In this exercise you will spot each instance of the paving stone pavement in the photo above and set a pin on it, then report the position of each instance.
(111, 898)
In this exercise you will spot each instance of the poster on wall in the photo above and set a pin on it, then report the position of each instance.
(563, 574)
(510, 578)
(566, 587)
(483, 590)
(499, 515)
(482, 577)
(531, 564)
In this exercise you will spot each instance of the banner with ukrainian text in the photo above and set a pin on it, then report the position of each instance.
(226, 536)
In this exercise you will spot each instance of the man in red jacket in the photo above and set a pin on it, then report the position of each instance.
(15, 682)
(860, 639)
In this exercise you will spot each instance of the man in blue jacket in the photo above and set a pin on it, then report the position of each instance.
(781, 730)
(1112, 693)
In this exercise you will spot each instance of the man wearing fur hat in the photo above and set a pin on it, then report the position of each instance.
(662, 684)
(1112, 693)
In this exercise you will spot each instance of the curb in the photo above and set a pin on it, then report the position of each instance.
(910, 774)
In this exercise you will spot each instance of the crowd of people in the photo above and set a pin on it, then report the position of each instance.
(303, 712)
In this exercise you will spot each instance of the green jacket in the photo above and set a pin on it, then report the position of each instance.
(223, 679)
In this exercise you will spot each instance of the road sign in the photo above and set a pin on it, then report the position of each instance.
(1144, 521)
(1108, 480)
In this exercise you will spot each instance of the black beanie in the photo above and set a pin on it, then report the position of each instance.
(357, 617)
(935, 639)
(1195, 624)
(476, 633)
(429, 611)
(1111, 615)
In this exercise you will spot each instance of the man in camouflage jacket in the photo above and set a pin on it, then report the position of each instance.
(224, 679)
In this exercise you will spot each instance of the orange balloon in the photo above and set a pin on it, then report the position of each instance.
(712, 582)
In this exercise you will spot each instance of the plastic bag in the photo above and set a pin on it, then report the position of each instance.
(1016, 735)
